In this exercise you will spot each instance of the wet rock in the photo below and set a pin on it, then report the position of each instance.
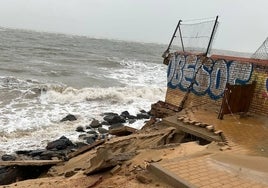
(126, 115)
(130, 121)
(7, 157)
(143, 116)
(59, 144)
(23, 152)
(113, 119)
(116, 125)
(92, 132)
(90, 140)
(37, 152)
(105, 123)
(102, 130)
(79, 129)
(69, 117)
(95, 124)
(82, 136)
(80, 144)
(48, 155)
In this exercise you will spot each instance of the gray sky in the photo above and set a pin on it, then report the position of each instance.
(243, 23)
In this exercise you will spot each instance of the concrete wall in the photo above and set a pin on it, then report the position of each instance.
(212, 77)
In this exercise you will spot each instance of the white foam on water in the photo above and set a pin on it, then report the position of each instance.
(138, 73)
(29, 123)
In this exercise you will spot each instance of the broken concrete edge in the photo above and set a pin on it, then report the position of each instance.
(30, 163)
(85, 149)
(169, 177)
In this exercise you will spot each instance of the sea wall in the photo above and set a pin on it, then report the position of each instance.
(212, 76)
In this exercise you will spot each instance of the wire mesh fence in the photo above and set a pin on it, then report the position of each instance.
(194, 36)
(262, 51)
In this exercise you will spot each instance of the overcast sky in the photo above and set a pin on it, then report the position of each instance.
(243, 23)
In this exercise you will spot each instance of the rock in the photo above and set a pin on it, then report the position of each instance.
(80, 144)
(23, 152)
(143, 116)
(7, 157)
(59, 144)
(102, 130)
(130, 121)
(36, 152)
(116, 126)
(113, 119)
(125, 114)
(69, 117)
(80, 129)
(95, 124)
(143, 179)
(48, 155)
(90, 140)
(105, 123)
(69, 174)
(143, 111)
(82, 136)
(109, 114)
(92, 132)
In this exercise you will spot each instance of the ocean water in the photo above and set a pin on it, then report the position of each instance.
(46, 76)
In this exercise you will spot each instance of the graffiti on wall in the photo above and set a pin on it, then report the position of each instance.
(211, 77)
(265, 93)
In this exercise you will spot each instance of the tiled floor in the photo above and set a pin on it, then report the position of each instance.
(245, 135)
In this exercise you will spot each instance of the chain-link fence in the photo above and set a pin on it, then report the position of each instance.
(194, 36)
(262, 52)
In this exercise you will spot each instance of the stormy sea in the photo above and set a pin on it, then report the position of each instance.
(46, 76)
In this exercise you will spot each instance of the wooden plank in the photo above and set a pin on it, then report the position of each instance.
(30, 163)
(85, 148)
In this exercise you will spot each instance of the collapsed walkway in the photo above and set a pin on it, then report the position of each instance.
(240, 162)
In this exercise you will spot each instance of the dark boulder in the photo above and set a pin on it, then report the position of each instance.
(131, 117)
(112, 119)
(143, 116)
(80, 144)
(79, 129)
(23, 152)
(48, 155)
(95, 123)
(116, 125)
(69, 117)
(92, 132)
(105, 123)
(90, 140)
(59, 144)
(130, 121)
(126, 115)
(102, 130)
(7, 157)
(36, 152)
